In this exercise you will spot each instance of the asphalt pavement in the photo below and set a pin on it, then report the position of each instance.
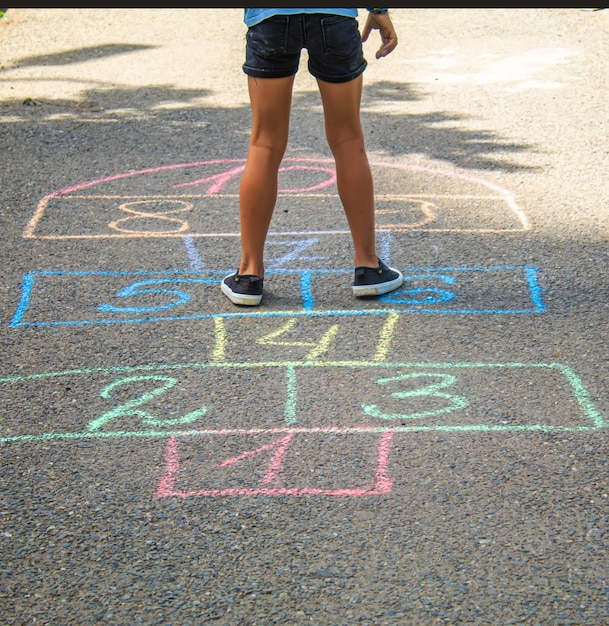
(437, 455)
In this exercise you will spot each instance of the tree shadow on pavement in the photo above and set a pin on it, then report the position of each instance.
(79, 55)
(109, 129)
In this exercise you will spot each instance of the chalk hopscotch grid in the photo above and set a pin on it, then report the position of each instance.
(382, 483)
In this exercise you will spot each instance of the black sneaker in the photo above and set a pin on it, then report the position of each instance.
(375, 281)
(243, 288)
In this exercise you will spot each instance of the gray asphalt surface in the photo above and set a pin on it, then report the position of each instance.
(435, 456)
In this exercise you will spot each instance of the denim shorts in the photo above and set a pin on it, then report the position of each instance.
(333, 43)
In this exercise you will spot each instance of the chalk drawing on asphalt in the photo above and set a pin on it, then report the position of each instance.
(368, 397)
(267, 470)
(137, 297)
(200, 199)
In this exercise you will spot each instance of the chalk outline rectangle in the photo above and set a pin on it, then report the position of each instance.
(382, 483)
(578, 390)
(43, 205)
(308, 304)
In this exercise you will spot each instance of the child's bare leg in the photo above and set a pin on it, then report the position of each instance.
(270, 103)
(341, 103)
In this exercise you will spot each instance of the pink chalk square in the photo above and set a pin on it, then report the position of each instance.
(277, 464)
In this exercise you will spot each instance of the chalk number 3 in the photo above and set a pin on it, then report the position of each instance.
(446, 380)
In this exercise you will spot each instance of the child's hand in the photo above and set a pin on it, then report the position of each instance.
(382, 23)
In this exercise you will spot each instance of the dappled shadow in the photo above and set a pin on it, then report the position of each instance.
(111, 100)
(391, 129)
(422, 134)
(394, 131)
(79, 55)
(389, 90)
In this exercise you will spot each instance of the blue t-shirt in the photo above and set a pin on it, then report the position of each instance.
(254, 16)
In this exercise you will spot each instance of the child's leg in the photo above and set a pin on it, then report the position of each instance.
(341, 103)
(271, 100)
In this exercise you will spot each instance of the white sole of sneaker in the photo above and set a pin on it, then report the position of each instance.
(380, 288)
(240, 298)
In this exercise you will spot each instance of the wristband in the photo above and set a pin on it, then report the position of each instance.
(378, 11)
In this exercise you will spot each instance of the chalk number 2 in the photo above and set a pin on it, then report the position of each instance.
(130, 409)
